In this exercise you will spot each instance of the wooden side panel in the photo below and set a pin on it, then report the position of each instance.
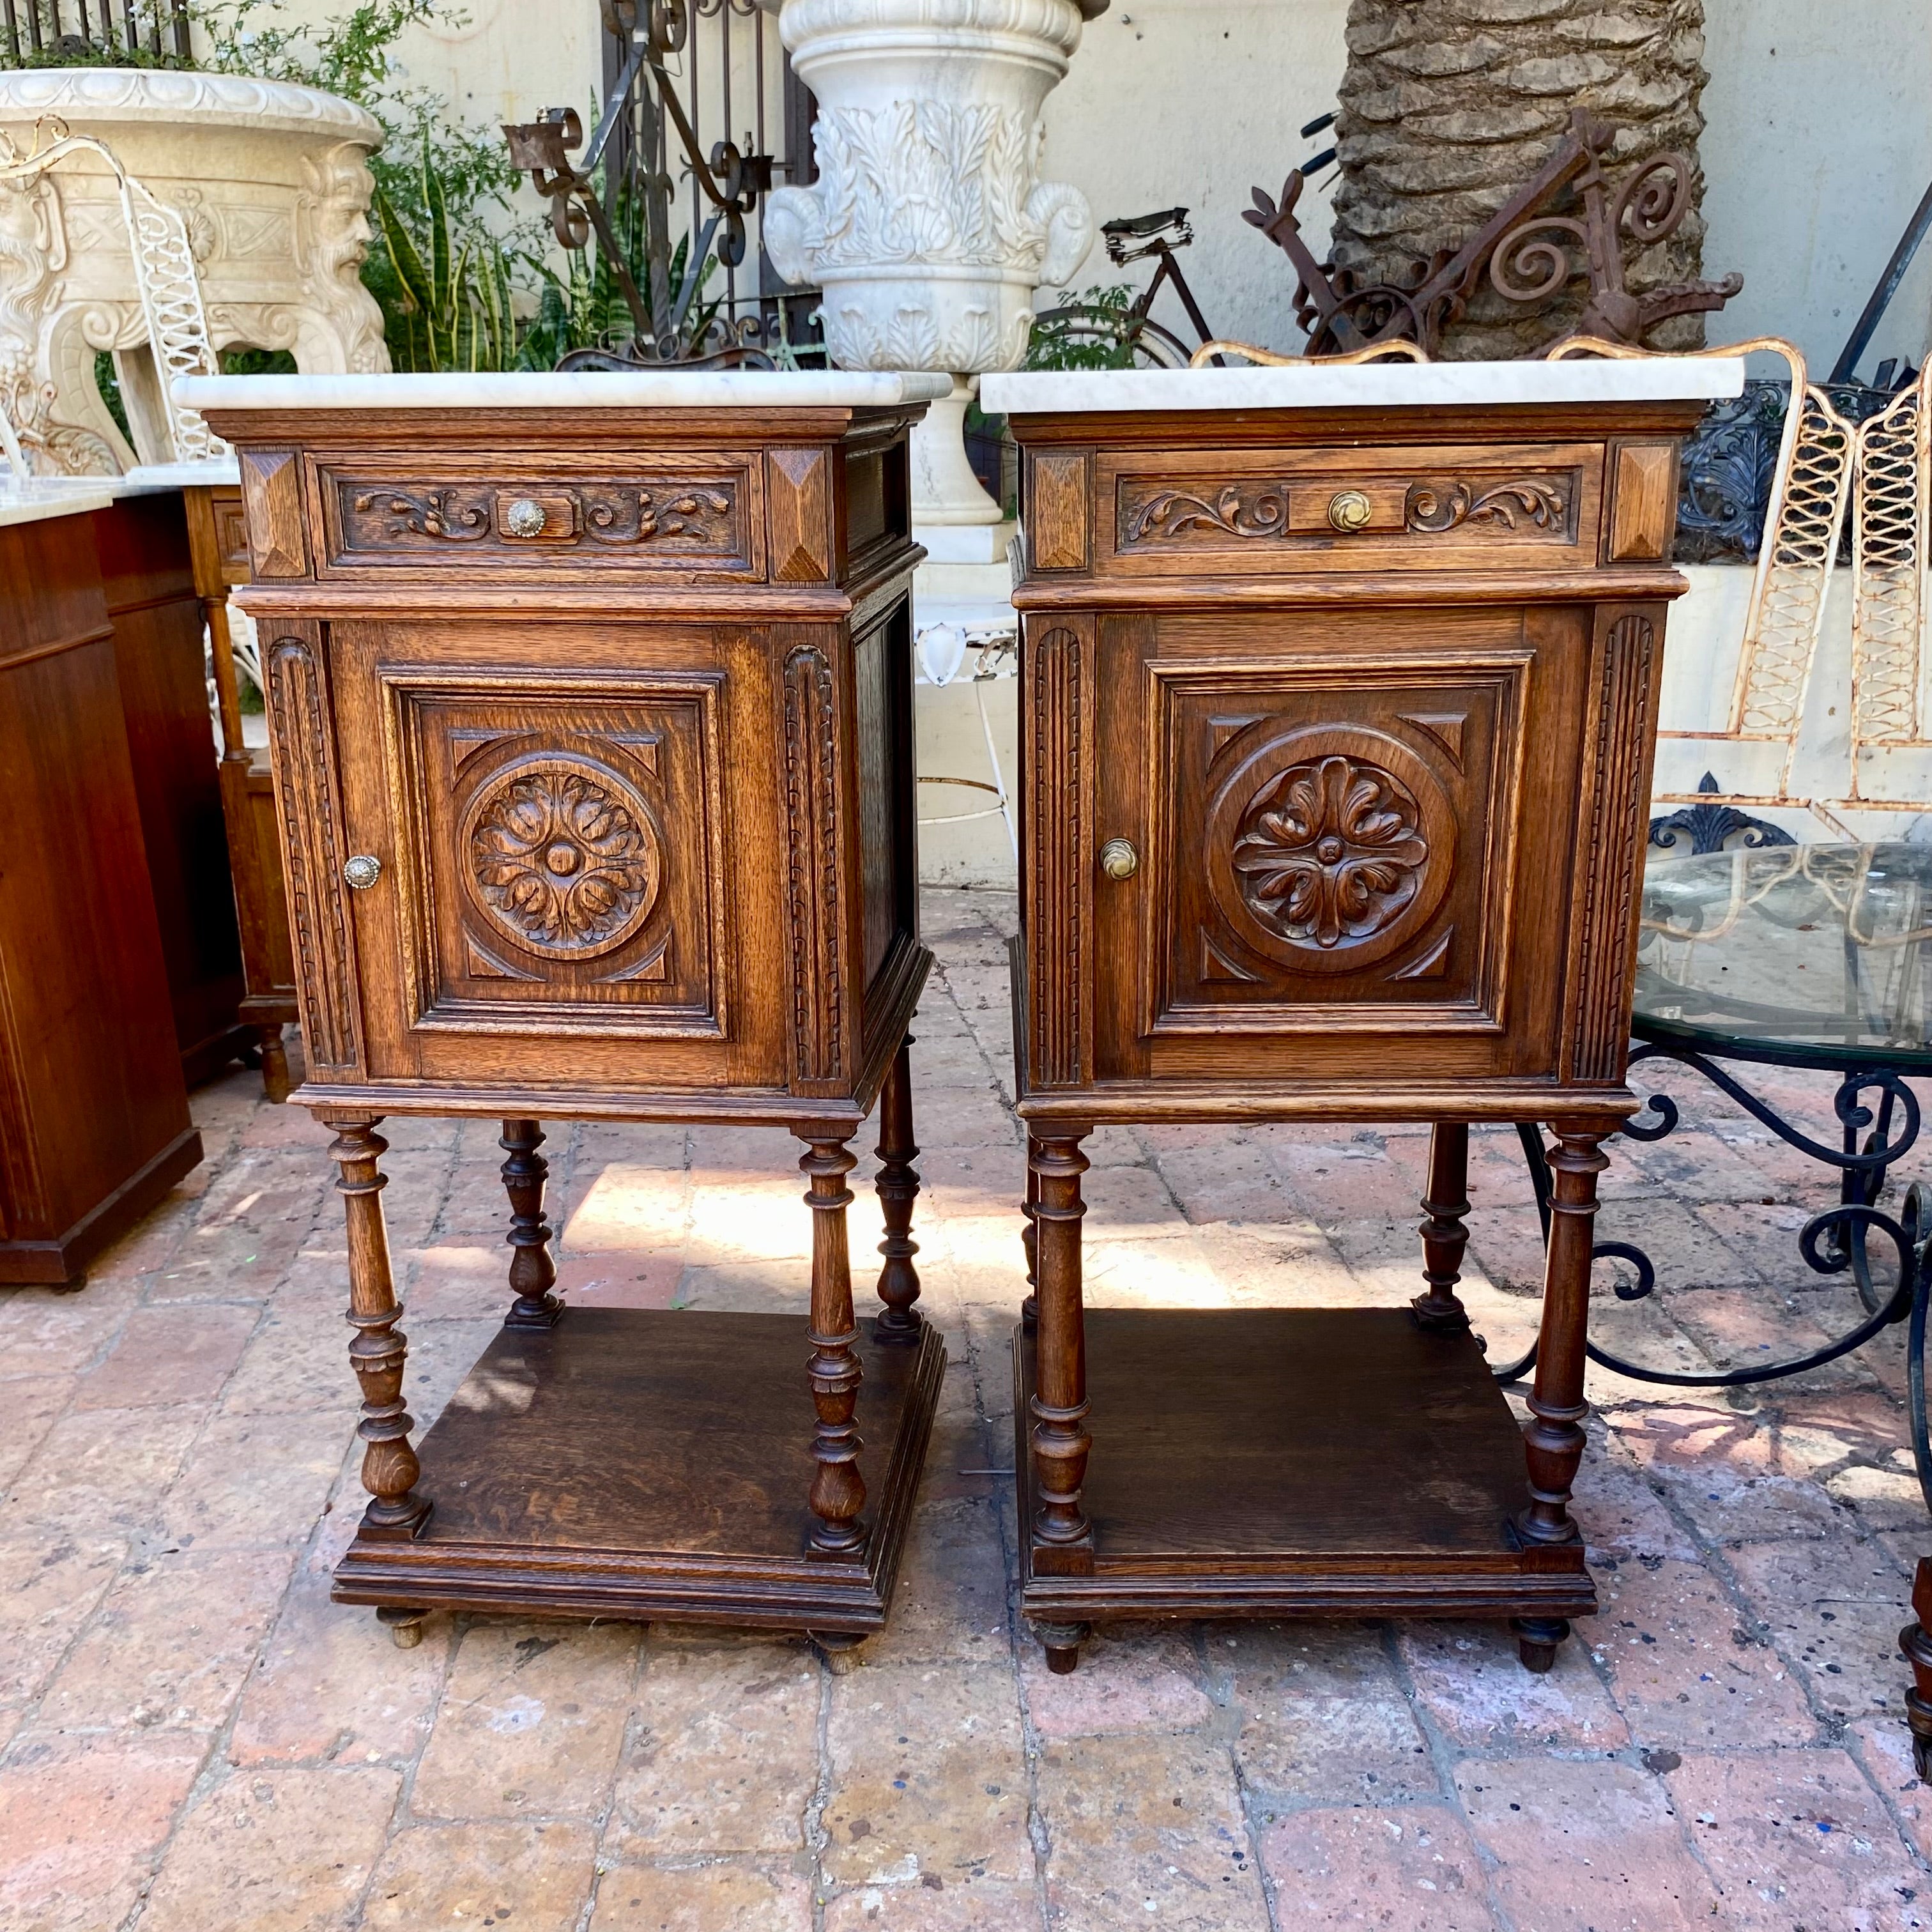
(277, 530)
(889, 866)
(1627, 671)
(308, 796)
(1058, 695)
(90, 1088)
(147, 573)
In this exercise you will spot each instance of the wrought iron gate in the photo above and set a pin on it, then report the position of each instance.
(704, 117)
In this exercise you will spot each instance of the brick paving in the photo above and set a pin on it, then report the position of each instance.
(192, 1736)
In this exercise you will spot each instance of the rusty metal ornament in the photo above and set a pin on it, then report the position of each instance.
(1530, 251)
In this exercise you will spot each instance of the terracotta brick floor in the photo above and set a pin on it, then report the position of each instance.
(193, 1737)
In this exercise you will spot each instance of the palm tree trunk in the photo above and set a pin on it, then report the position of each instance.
(1448, 105)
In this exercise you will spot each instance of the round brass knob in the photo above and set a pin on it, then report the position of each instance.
(525, 517)
(1118, 860)
(362, 870)
(1349, 511)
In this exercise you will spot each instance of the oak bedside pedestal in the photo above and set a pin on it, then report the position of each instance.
(1338, 692)
(590, 700)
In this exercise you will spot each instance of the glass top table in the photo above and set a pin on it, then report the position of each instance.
(1802, 956)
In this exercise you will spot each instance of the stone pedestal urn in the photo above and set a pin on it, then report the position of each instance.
(272, 181)
(928, 227)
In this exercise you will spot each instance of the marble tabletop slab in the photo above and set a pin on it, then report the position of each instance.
(650, 389)
(1367, 386)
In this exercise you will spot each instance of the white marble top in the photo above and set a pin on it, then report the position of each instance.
(648, 389)
(1364, 386)
(55, 498)
(223, 470)
(76, 495)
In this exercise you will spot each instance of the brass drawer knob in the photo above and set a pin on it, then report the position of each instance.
(362, 870)
(1118, 860)
(1349, 511)
(525, 517)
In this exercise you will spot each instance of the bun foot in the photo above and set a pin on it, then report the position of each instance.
(843, 1650)
(1537, 1639)
(1062, 1642)
(404, 1625)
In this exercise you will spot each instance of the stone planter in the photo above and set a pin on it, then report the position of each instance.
(272, 181)
(928, 227)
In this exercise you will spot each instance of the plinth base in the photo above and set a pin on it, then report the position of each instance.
(653, 1464)
(1264, 1462)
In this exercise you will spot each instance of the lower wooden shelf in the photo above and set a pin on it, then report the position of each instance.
(1330, 1461)
(654, 1464)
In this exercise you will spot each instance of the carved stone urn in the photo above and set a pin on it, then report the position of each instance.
(928, 227)
(273, 182)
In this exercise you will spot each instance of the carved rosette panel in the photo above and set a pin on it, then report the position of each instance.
(1058, 885)
(563, 857)
(312, 857)
(1331, 851)
(1329, 846)
(812, 886)
(1611, 834)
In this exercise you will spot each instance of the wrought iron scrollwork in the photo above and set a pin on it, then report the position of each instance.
(1837, 1240)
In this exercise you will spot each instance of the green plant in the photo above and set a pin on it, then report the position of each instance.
(1094, 331)
(585, 308)
(452, 308)
(441, 269)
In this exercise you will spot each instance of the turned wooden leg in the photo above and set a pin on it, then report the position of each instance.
(898, 1186)
(274, 1063)
(389, 1465)
(1916, 1643)
(1030, 1239)
(838, 1490)
(1553, 1437)
(531, 1270)
(1059, 1438)
(1444, 1235)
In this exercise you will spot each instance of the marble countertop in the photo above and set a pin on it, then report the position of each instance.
(1364, 386)
(704, 389)
(55, 498)
(77, 496)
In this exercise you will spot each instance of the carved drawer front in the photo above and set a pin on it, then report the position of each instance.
(644, 516)
(1532, 507)
(1333, 826)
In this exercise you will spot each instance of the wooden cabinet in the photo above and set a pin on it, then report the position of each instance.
(1339, 696)
(148, 577)
(94, 1119)
(591, 713)
(218, 542)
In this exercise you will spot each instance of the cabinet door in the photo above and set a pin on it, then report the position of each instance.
(1355, 835)
(565, 867)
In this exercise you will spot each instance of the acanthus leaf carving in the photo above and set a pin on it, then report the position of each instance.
(1611, 832)
(1257, 510)
(812, 890)
(1436, 508)
(312, 855)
